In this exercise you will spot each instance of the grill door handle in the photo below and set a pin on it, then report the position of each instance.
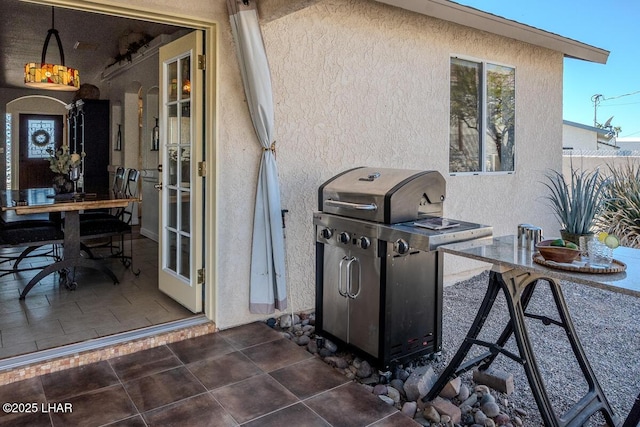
(350, 293)
(340, 291)
(352, 206)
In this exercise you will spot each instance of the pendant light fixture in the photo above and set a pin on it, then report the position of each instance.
(51, 76)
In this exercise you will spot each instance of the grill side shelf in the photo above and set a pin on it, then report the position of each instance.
(424, 239)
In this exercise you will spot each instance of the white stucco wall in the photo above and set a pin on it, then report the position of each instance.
(123, 91)
(361, 83)
(578, 138)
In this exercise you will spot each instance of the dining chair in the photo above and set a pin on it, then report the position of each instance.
(117, 191)
(119, 181)
(27, 236)
(116, 224)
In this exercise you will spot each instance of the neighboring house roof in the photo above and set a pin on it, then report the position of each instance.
(604, 137)
(600, 131)
(475, 18)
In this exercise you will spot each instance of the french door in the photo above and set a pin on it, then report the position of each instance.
(38, 133)
(181, 233)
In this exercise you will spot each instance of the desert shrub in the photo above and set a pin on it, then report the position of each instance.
(576, 202)
(621, 213)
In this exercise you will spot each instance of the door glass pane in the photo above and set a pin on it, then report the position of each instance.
(172, 77)
(185, 257)
(186, 77)
(172, 117)
(172, 144)
(170, 250)
(173, 166)
(186, 111)
(42, 137)
(185, 165)
(185, 131)
(185, 209)
(172, 210)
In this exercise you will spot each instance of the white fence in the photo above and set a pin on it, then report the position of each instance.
(601, 153)
(598, 159)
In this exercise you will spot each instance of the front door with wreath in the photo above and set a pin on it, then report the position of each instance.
(38, 132)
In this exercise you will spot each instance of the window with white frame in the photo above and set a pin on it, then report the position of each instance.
(482, 117)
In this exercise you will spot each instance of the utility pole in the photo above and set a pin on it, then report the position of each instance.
(596, 101)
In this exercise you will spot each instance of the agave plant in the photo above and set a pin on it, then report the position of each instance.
(576, 203)
(621, 213)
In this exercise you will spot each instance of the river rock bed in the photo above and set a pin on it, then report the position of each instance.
(462, 402)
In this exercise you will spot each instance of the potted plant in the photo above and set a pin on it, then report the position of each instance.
(576, 203)
(63, 163)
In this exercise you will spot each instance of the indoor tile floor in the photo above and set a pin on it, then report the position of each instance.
(248, 376)
(52, 315)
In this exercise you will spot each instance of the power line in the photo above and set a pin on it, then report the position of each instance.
(629, 134)
(619, 96)
(619, 105)
(597, 98)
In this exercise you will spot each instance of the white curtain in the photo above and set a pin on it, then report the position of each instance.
(268, 286)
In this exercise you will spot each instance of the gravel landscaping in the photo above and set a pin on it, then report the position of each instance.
(607, 323)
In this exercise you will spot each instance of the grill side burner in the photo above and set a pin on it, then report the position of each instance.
(378, 282)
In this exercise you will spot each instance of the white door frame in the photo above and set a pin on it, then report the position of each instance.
(210, 29)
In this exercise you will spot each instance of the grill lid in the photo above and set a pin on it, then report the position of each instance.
(382, 194)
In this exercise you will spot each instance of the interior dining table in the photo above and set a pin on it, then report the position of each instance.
(516, 271)
(43, 200)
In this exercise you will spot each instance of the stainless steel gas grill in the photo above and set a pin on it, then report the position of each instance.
(378, 274)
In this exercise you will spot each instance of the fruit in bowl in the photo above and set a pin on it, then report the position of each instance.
(558, 250)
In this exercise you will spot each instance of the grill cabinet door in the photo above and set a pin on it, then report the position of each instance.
(334, 306)
(354, 319)
(364, 309)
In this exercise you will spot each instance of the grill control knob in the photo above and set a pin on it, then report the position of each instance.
(344, 237)
(401, 246)
(326, 233)
(364, 242)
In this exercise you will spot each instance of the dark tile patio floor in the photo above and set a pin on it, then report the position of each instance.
(247, 376)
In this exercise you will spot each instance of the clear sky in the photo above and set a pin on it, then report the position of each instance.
(613, 25)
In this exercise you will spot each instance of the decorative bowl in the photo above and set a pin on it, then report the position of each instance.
(556, 253)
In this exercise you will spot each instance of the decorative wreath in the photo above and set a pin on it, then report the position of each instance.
(40, 138)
